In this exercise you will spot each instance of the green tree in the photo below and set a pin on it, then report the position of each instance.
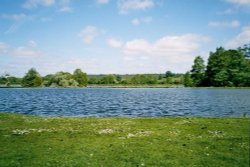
(60, 79)
(245, 50)
(228, 68)
(169, 74)
(32, 79)
(108, 79)
(150, 79)
(80, 77)
(198, 71)
(118, 78)
(188, 82)
(93, 80)
(216, 62)
(138, 79)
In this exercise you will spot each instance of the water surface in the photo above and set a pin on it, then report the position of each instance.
(126, 102)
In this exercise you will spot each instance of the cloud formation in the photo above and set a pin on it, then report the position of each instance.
(63, 5)
(242, 38)
(224, 24)
(102, 1)
(3, 46)
(17, 17)
(30, 50)
(166, 45)
(138, 21)
(125, 6)
(88, 34)
(30, 4)
(171, 51)
(239, 2)
(114, 43)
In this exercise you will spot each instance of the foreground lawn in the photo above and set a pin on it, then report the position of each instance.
(51, 141)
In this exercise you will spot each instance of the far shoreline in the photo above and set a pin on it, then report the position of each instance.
(125, 86)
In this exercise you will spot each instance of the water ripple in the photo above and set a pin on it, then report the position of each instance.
(126, 102)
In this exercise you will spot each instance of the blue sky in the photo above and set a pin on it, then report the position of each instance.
(117, 36)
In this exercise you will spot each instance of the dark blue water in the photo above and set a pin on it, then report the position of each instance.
(126, 102)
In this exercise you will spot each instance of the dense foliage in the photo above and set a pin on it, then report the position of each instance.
(8, 80)
(32, 79)
(80, 77)
(224, 68)
(65, 79)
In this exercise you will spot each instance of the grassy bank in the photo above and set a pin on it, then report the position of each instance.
(52, 141)
(134, 86)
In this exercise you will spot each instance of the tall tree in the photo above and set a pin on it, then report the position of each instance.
(169, 74)
(80, 77)
(32, 79)
(198, 71)
(215, 63)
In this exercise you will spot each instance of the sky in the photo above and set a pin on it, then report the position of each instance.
(117, 36)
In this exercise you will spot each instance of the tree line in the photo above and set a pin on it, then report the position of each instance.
(80, 79)
(225, 68)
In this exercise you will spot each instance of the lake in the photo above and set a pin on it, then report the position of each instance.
(105, 102)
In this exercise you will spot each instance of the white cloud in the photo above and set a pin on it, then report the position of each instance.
(30, 4)
(32, 44)
(29, 50)
(239, 2)
(137, 47)
(242, 38)
(125, 6)
(66, 9)
(88, 34)
(17, 17)
(138, 21)
(173, 52)
(45, 19)
(114, 43)
(102, 1)
(65, 6)
(228, 11)
(135, 21)
(224, 24)
(24, 51)
(3, 46)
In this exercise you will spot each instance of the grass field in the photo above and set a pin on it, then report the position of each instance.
(117, 142)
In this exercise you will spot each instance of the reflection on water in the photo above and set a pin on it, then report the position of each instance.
(126, 102)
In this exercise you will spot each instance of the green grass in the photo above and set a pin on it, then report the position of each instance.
(116, 142)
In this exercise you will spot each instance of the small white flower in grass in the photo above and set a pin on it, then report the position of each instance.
(106, 131)
(130, 135)
(20, 132)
